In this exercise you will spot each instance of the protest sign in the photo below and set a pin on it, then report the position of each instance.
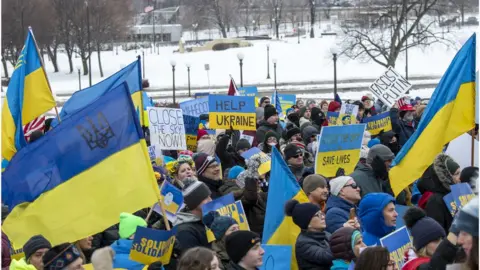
(332, 118)
(151, 246)
(450, 203)
(349, 109)
(248, 91)
(390, 87)
(232, 111)
(339, 147)
(287, 101)
(201, 94)
(195, 107)
(346, 119)
(247, 137)
(462, 193)
(156, 155)
(276, 257)
(457, 150)
(396, 243)
(16, 253)
(167, 128)
(171, 197)
(377, 123)
(265, 160)
(192, 109)
(401, 209)
(218, 203)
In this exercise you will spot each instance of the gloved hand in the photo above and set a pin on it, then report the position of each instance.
(230, 131)
(340, 172)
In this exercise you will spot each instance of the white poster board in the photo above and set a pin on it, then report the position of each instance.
(167, 129)
(460, 150)
(349, 109)
(390, 87)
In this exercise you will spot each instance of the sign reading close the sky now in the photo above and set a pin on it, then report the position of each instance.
(390, 87)
(237, 112)
(167, 128)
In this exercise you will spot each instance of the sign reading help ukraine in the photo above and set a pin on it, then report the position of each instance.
(462, 194)
(339, 147)
(377, 123)
(232, 111)
(287, 101)
(276, 257)
(396, 243)
(151, 246)
(167, 129)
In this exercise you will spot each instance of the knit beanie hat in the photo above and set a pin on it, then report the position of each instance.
(202, 161)
(310, 102)
(291, 150)
(381, 151)
(333, 106)
(194, 192)
(301, 213)
(102, 259)
(338, 183)
(312, 182)
(35, 243)
(60, 257)
(269, 111)
(201, 133)
(373, 142)
(303, 110)
(218, 224)
(423, 229)
(259, 111)
(468, 174)
(452, 166)
(293, 131)
(234, 172)
(242, 144)
(206, 147)
(467, 219)
(128, 225)
(262, 99)
(269, 134)
(239, 243)
(341, 243)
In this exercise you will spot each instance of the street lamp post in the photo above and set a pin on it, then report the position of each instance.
(188, 71)
(89, 47)
(334, 53)
(240, 57)
(143, 62)
(173, 63)
(268, 61)
(195, 25)
(298, 32)
(275, 73)
(406, 48)
(79, 78)
(253, 27)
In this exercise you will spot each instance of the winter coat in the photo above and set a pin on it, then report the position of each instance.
(264, 127)
(122, 253)
(337, 213)
(435, 206)
(19, 265)
(297, 171)
(221, 251)
(105, 238)
(234, 266)
(213, 185)
(308, 132)
(401, 128)
(444, 255)
(230, 186)
(313, 251)
(366, 180)
(370, 213)
(339, 264)
(341, 247)
(228, 159)
(191, 232)
(255, 206)
(6, 258)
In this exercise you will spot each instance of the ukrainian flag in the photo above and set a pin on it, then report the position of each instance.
(28, 96)
(171, 197)
(131, 74)
(280, 229)
(449, 114)
(80, 176)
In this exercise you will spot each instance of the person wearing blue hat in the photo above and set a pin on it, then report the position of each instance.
(378, 217)
(221, 227)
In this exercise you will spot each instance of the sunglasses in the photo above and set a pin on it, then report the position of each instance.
(354, 186)
(297, 156)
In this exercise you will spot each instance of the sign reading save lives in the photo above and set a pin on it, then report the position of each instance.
(167, 128)
(339, 147)
(232, 111)
(390, 87)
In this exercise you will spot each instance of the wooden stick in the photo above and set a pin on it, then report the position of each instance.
(164, 214)
(149, 213)
(44, 71)
(473, 148)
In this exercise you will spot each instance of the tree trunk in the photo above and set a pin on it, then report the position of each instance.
(85, 66)
(53, 57)
(277, 26)
(70, 62)
(312, 20)
(5, 68)
(462, 11)
(99, 60)
(224, 32)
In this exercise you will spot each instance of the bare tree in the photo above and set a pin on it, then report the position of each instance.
(64, 11)
(400, 25)
(462, 5)
(276, 8)
(219, 13)
(313, 7)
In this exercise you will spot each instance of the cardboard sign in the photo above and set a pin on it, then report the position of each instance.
(248, 138)
(156, 155)
(276, 257)
(232, 111)
(266, 160)
(349, 109)
(396, 243)
(167, 128)
(339, 147)
(192, 109)
(390, 87)
(151, 246)
(332, 118)
(377, 123)
(346, 119)
(462, 193)
(450, 203)
(248, 91)
(195, 107)
(287, 101)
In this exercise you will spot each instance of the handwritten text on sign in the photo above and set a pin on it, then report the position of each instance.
(167, 128)
(232, 111)
(390, 87)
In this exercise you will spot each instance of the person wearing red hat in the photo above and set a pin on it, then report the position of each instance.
(402, 122)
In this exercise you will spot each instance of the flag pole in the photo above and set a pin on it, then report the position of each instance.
(44, 71)
(162, 208)
(472, 160)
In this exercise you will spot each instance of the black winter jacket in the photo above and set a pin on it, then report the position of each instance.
(312, 251)
(255, 205)
(444, 255)
(228, 159)
(191, 233)
(264, 126)
(213, 185)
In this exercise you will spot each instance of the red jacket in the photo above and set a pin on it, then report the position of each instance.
(6, 258)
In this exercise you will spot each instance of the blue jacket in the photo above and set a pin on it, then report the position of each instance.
(337, 213)
(339, 264)
(122, 252)
(370, 213)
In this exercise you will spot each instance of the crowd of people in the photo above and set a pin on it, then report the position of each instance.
(340, 226)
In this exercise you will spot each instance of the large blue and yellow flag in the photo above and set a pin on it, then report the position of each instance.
(449, 114)
(76, 180)
(280, 229)
(28, 96)
(131, 74)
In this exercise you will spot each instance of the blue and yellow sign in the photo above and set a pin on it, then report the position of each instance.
(462, 193)
(377, 123)
(151, 246)
(396, 243)
(266, 160)
(339, 147)
(346, 119)
(450, 203)
(192, 109)
(232, 111)
(287, 101)
(249, 91)
(332, 118)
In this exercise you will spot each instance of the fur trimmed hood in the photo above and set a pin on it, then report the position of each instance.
(441, 170)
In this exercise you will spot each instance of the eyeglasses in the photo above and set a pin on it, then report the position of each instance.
(297, 156)
(354, 186)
